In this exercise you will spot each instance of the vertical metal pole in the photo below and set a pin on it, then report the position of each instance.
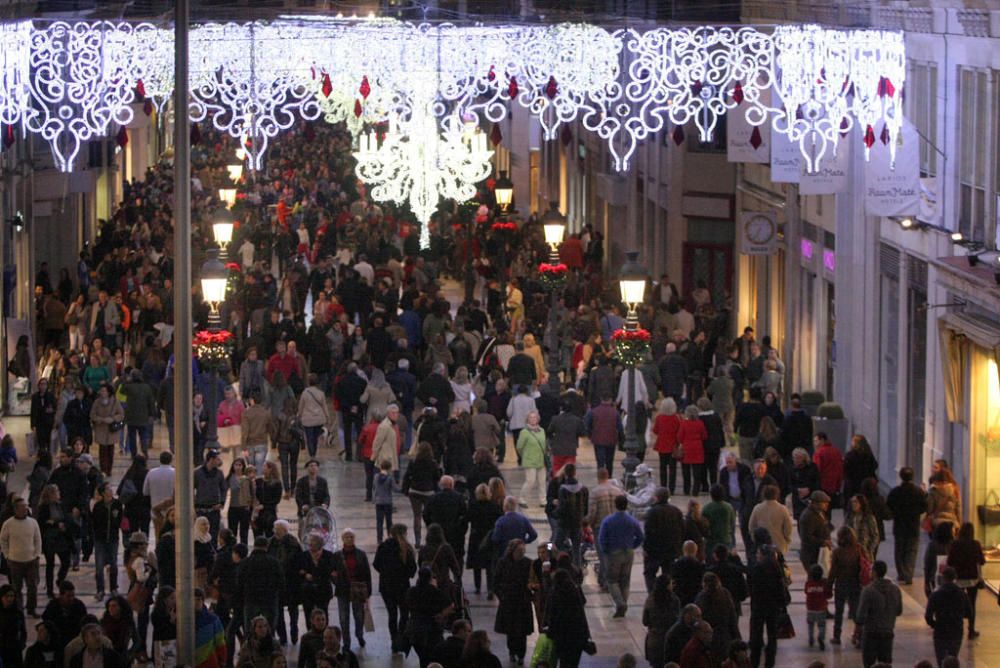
(183, 391)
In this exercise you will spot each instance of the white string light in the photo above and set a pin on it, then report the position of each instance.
(258, 79)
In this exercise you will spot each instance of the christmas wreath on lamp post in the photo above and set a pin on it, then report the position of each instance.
(553, 277)
(631, 345)
(213, 349)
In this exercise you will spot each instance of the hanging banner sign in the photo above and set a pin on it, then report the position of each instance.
(894, 191)
(746, 142)
(832, 174)
(785, 159)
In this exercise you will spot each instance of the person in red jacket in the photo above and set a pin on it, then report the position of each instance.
(282, 361)
(830, 463)
(696, 652)
(691, 435)
(365, 441)
(571, 252)
(666, 426)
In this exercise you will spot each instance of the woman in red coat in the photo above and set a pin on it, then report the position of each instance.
(665, 427)
(692, 435)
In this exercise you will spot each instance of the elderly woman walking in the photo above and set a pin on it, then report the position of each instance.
(532, 449)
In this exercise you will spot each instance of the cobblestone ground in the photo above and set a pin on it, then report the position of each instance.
(613, 636)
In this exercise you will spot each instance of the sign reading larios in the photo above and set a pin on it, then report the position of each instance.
(894, 190)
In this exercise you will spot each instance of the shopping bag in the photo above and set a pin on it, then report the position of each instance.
(825, 559)
(369, 620)
(32, 444)
(545, 651)
(989, 513)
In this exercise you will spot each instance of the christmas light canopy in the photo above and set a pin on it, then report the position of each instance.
(71, 82)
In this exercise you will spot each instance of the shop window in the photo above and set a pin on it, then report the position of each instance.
(973, 128)
(922, 100)
(984, 441)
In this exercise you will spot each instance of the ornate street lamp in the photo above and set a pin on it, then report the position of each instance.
(223, 223)
(214, 277)
(503, 192)
(632, 281)
(235, 168)
(554, 224)
(228, 196)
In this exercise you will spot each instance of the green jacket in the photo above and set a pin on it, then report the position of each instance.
(140, 404)
(531, 447)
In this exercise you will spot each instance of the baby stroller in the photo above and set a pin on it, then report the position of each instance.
(320, 521)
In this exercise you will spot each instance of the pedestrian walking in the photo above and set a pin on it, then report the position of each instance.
(880, 604)
(947, 609)
(619, 536)
(907, 502)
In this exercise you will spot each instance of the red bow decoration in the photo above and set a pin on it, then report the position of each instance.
(630, 335)
(207, 338)
(232, 266)
(504, 227)
(545, 268)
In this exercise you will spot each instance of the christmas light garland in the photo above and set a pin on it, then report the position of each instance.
(71, 82)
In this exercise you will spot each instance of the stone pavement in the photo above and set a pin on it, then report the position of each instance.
(612, 636)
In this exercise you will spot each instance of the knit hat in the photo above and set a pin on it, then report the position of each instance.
(819, 496)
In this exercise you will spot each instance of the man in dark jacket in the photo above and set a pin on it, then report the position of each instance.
(571, 509)
(66, 611)
(449, 651)
(681, 633)
(105, 522)
(311, 489)
(404, 386)
(768, 598)
(348, 393)
(796, 430)
(664, 529)
(814, 528)
(95, 650)
(752, 494)
(260, 581)
(879, 606)
(673, 373)
(947, 609)
(352, 581)
(907, 503)
(747, 423)
(563, 436)
(449, 509)
(521, 368)
(436, 391)
(604, 427)
(140, 410)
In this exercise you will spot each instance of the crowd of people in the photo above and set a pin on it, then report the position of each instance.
(346, 352)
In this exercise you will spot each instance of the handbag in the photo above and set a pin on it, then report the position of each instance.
(989, 513)
(138, 597)
(786, 629)
(116, 426)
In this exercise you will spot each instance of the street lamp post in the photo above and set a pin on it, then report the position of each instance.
(503, 192)
(632, 282)
(222, 229)
(554, 226)
(214, 278)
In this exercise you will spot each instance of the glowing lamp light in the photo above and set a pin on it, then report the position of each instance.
(214, 277)
(235, 169)
(554, 224)
(956, 236)
(906, 223)
(632, 281)
(504, 192)
(222, 227)
(227, 196)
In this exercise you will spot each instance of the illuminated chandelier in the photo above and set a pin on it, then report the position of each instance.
(416, 164)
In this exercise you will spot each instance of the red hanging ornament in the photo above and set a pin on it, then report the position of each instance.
(140, 88)
(738, 93)
(566, 136)
(8, 136)
(365, 88)
(495, 135)
(678, 135)
(327, 85)
(357, 108)
(491, 75)
(890, 90)
(755, 139)
(147, 107)
(845, 125)
(122, 137)
(195, 134)
(550, 88)
(512, 88)
(884, 136)
(869, 137)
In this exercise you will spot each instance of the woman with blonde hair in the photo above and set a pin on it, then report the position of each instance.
(204, 551)
(498, 491)
(269, 493)
(483, 515)
(691, 436)
(665, 427)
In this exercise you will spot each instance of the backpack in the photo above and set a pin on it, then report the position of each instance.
(573, 508)
(127, 491)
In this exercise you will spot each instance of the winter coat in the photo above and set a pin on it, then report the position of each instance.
(482, 516)
(666, 428)
(386, 444)
(140, 404)
(531, 447)
(564, 433)
(485, 431)
(394, 573)
(857, 467)
(692, 434)
(566, 619)
(515, 615)
(831, 468)
(102, 415)
(314, 409)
